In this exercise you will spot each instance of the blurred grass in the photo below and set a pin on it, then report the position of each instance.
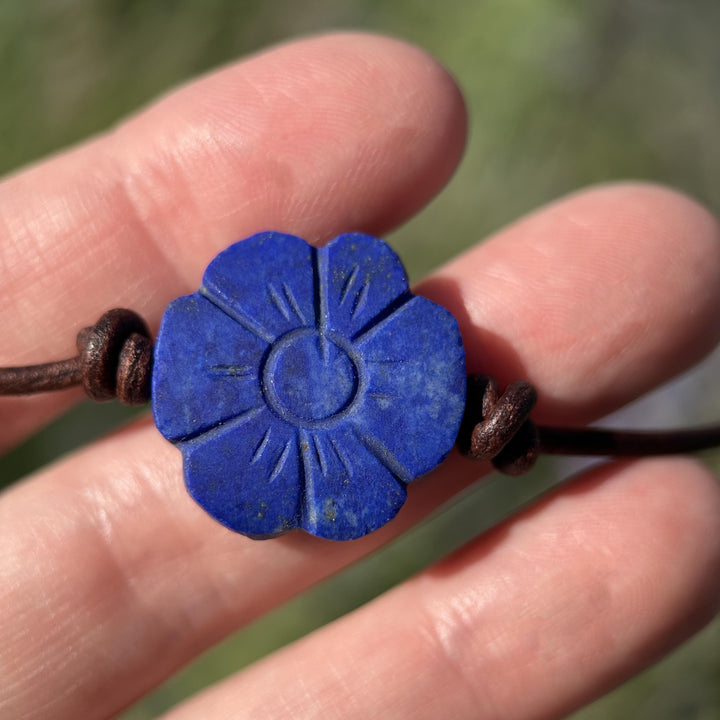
(561, 94)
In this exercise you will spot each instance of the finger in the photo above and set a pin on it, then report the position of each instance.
(595, 299)
(549, 611)
(320, 136)
(115, 520)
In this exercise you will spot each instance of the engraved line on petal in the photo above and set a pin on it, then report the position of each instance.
(293, 303)
(319, 265)
(236, 314)
(320, 277)
(377, 322)
(361, 298)
(309, 511)
(232, 370)
(260, 449)
(320, 454)
(384, 456)
(349, 283)
(391, 362)
(280, 464)
(222, 426)
(344, 460)
(279, 302)
(382, 396)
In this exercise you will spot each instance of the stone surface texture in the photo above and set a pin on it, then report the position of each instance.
(307, 387)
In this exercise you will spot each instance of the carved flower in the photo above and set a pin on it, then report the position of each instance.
(307, 387)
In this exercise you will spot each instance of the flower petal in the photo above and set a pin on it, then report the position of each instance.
(415, 390)
(359, 276)
(352, 486)
(206, 368)
(265, 282)
(247, 474)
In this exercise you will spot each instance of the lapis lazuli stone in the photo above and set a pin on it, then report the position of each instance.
(307, 387)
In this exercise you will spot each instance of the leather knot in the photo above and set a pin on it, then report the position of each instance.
(116, 357)
(497, 427)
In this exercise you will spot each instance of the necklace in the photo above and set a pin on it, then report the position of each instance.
(306, 388)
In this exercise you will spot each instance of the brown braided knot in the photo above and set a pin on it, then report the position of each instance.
(497, 427)
(116, 356)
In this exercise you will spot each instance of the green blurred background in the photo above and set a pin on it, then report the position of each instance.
(561, 94)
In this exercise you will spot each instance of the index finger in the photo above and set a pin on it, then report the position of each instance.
(337, 133)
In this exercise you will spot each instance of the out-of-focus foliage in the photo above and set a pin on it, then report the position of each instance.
(560, 93)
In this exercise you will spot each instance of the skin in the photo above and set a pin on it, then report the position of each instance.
(111, 578)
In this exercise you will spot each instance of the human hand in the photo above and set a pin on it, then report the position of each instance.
(111, 578)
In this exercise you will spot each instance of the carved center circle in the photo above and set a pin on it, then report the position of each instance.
(310, 377)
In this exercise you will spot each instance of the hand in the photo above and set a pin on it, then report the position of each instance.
(111, 578)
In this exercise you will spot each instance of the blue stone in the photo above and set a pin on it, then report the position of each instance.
(307, 387)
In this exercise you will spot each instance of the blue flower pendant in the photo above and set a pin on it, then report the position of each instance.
(307, 387)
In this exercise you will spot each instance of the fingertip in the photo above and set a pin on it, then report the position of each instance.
(609, 573)
(415, 114)
(596, 298)
(681, 498)
(646, 283)
(667, 511)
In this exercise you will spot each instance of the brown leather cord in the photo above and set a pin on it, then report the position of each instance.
(115, 361)
(497, 427)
